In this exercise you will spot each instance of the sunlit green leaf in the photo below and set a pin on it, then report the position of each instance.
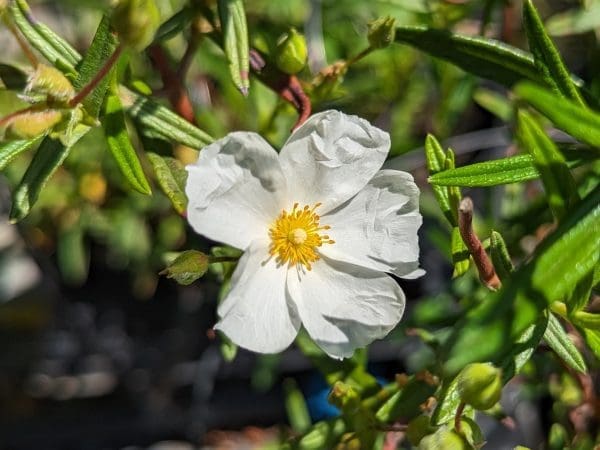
(558, 340)
(581, 123)
(159, 121)
(103, 45)
(235, 41)
(480, 56)
(120, 145)
(546, 56)
(11, 149)
(295, 406)
(556, 177)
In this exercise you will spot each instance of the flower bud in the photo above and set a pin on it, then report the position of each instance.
(32, 124)
(480, 385)
(291, 52)
(343, 396)
(51, 82)
(381, 32)
(445, 439)
(187, 267)
(136, 22)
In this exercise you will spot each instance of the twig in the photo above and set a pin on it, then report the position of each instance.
(88, 88)
(458, 415)
(173, 82)
(484, 265)
(4, 120)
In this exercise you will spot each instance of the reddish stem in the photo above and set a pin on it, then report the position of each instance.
(484, 265)
(458, 415)
(88, 88)
(12, 115)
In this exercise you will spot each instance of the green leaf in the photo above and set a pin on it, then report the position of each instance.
(11, 149)
(102, 47)
(592, 337)
(575, 21)
(495, 103)
(227, 348)
(581, 123)
(171, 177)
(558, 340)
(546, 56)
(120, 145)
(461, 257)
(480, 56)
(556, 177)
(489, 173)
(235, 41)
(175, 24)
(405, 403)
(500, 256)
(12, 77)
(54, 48)
(295, 406)
(158, 121)
(49, 156)
(436, 158)
(324, 434)
(561, 261)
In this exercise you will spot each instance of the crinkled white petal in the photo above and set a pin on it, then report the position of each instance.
(235, 189)
(256, 314)
(344, 307)
(378, 227)
(331, 157)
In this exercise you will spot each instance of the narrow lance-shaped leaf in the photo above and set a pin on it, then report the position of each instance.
(579, 122)
(480, 56)
(235, 41)
(158, 121)
(558, 340)
(49, 156)
(500, 257)
(11, 149)
(435, 158)
(295, 406)
(546, 56)
(561, 261)
(120, 145)
(50, 45)
(556, 177)
(171, 177)
(103, 45)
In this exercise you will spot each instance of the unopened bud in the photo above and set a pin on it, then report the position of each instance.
(381, 32)
(50, 81)
(136, 22)
(480, 385)
(444, 439)
(343, 395)
(291, 52)
(187, 267)
(32, 124)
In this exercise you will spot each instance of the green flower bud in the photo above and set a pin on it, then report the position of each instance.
(381, 32)
(50, 81)
(418, 428)
(32, 124)
(444, 439)
(291, 52)
(480, 385)
(187, 267)
(343, 396)
(136, 22)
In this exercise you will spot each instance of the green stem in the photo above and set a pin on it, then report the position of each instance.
(222, 259)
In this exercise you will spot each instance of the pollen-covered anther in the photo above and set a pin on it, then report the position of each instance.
(295, 236)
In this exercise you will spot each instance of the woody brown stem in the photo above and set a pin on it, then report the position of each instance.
(88, 88)
(458, 415)
(484, 265)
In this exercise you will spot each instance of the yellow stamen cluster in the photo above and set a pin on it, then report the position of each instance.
(295, 236)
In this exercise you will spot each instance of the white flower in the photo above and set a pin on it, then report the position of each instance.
(320, 225)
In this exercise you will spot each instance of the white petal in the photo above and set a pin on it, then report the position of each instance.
(256, 314)
(344, 307)
(378, 227)
(331, 157)
(235, 189)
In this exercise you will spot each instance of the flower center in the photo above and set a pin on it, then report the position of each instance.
(295, 236)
